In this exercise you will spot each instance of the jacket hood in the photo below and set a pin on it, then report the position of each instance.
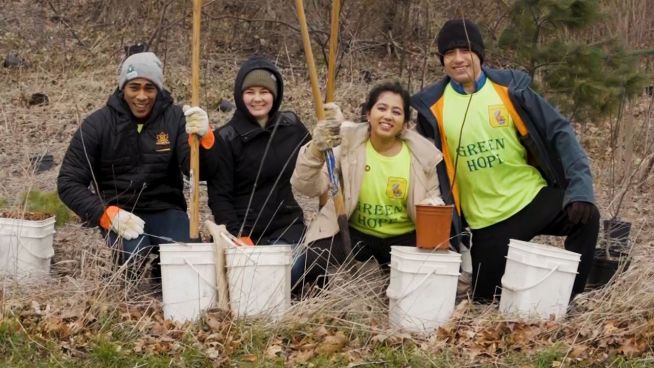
(515, 79)
(257, 62)
(117, 102)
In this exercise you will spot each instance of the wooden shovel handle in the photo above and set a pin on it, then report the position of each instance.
(220, 245)
(195, 101)
(311, 64)
(320, 114)
(333, 50)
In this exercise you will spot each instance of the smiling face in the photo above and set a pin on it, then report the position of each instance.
(386, 117)
(140, 95)
(259, 102)
(463, 66)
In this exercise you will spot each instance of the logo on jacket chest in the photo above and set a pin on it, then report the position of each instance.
(162, 139)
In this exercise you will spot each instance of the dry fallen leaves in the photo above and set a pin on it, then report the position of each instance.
(634, 345)
(301, 357)
(250, 358)
(332, 343)
(273, 351)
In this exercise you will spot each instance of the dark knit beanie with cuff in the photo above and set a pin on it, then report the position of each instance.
(460, 34)
(260, 78)
(142, 65)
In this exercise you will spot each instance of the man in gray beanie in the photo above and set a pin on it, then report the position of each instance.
(133, 152)
(511, 163)
(142, 65)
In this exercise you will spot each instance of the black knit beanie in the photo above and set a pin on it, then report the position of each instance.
(453, 36)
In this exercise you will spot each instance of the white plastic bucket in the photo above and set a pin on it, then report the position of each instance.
(538, 280)
(26, 247)
(259, 280)
(422, 289)
(188, 279)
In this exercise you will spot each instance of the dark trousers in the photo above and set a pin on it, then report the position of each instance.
(159, 227)
(290, 235)
(329, 252)
(543, 216)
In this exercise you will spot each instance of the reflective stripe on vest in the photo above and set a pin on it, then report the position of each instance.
(503, 92)
(437, 110)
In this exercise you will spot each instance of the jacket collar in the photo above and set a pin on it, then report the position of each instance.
(247, 129)
(479, 83)
(117, 102)
(356, 134)
(515, 79)
(423, 100)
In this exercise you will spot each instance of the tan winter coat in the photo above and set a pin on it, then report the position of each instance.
(310, 176)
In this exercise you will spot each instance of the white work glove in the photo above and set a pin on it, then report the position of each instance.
(433, 201)
(327, 133)
(197, 120)
(124, 223)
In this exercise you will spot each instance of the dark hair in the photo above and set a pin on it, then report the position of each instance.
(393, 87)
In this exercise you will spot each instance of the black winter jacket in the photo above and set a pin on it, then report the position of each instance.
(108, 162)
(249, 168)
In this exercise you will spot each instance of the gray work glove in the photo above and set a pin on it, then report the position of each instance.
(326, 134)
(197, 120)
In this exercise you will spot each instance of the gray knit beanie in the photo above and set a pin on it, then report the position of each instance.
(261, 78)
(142, 65)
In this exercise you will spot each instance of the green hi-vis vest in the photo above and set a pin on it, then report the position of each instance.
(492, 175)
(381, 210)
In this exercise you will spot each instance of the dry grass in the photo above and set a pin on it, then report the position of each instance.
(88, 297)
(346, 320)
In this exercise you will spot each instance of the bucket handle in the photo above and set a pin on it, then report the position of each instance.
(210, 283)
(390, 293)
(28, 250)
(517, 289)
(250, 259)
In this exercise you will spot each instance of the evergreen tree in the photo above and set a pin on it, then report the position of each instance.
(585, 80)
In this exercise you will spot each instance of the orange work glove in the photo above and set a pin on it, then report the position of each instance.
(246, 240)
(124, 223)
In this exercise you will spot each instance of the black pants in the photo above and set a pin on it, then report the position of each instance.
(543, 216)
(323, 253)
(171, 223)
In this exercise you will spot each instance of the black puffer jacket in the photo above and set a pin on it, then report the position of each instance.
(246, 156)
(109, 162)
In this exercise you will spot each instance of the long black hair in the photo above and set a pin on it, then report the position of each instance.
(394, 87)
